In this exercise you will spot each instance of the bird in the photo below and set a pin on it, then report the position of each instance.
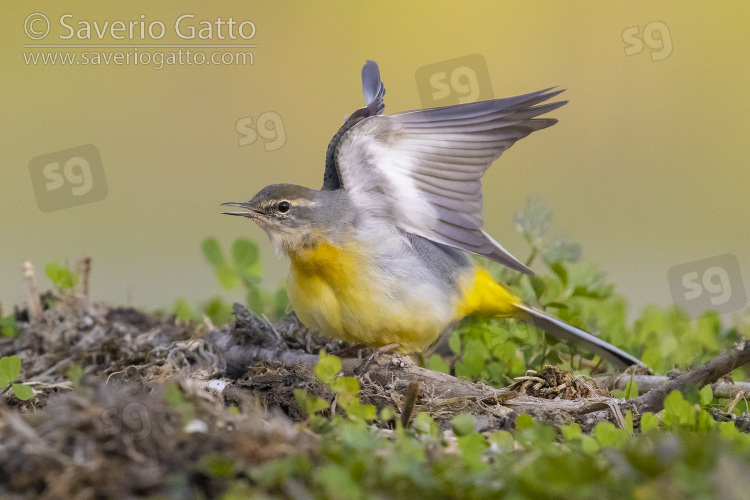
(381, 254)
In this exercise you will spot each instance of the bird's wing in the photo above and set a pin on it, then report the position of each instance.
(422, 169)
(373, 90)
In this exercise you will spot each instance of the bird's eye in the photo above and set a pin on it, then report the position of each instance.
(283, 207)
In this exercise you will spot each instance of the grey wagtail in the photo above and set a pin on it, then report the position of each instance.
(379, 254)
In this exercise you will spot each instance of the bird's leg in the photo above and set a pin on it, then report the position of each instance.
(365, 364)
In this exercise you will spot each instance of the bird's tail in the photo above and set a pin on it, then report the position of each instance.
(568, 333)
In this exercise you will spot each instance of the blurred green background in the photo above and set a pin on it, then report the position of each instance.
(647, 168)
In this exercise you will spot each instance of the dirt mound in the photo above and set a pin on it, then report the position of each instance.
(131, 404)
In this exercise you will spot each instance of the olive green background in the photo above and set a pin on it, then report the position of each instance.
(647, 169)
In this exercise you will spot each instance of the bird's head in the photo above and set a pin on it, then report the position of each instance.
(292, 216)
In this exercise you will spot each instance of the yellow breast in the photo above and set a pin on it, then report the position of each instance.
(338, 292)
(342, 294)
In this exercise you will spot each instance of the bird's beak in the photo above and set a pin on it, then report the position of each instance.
(251, 214)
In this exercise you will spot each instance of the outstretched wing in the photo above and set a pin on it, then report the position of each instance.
(422, 169)
(373, 90)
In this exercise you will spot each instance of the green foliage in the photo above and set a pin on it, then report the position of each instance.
(496, 350)
(536, 460)
(242, 269)
(61, 277)
(327, 368)
(75, 374)
(309, 404)
(8, 327)
(182, 310)
(10, 369)
(679, 452)
(173, 395)
(346, 388)
(463, 424)
(217, 466)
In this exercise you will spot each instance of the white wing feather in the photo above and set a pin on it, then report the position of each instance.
(422, 169)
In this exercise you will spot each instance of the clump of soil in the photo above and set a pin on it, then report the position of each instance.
(554, 383)
(151, 405)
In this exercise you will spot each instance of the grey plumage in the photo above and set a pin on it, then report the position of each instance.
(402, 197)
(429, 163)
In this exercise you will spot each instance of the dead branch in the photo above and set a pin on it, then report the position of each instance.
(392, 376)
(33, 301)
(83, 269)
(645, 383)
(708, 373)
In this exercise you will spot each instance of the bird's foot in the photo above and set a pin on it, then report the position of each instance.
(365, 364)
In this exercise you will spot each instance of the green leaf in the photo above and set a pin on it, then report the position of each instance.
(227, 277)
(631, 390)
(182, 310)
(561, 250)
(61, 277)
(337, 482)
(677, 411)
(571, 431)
(254, 300)
(729, 431)
(582, 291)
(75, 374)
(327, 368)
(437, 364)
(8, 327)
(560, 271)
(387, 414)
(534, 220)
(589, 444)
(558, 305)
(345, 385)
(23, 391)
(649, 421)
(217, 310)
(212, 252)
(524, 421)
(705, 421)
(215, 465)
(538, 285)
(503, 439)
(245, 255)
(424, 424)
(10, 369)
(472, 447)
(629, 422)
(463, 424)
(454, 342)
(706, 395)
(310, 404)
(474, 358)
(356, 410)
(607, 434)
